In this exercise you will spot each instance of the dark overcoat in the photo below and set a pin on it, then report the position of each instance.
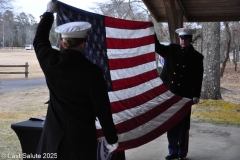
(78, 95)
(182, 72)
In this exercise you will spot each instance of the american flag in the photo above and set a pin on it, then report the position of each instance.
(143, 108)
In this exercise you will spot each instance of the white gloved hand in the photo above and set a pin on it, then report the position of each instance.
(112, 147)
(52, 6)
(195, 100)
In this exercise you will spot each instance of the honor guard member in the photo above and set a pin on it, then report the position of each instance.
(182, 74)
(78, 94)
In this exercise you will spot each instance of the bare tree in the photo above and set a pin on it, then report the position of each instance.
(6, 31)
(5, 5)
(235, 28)
(16, 29)
(211, 52)
(124, 9)
(161, 29)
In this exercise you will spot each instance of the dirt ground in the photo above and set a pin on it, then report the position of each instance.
(19, 57)
(230, 84)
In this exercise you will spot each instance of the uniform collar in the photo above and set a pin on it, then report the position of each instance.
(188, 47)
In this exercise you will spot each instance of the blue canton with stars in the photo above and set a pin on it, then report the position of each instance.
(95, 49)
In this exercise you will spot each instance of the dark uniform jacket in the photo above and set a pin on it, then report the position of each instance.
(182, 71)
(78, 95)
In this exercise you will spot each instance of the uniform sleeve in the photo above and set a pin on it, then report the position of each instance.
(41, 43)
(161, 49)
(198, 76)
(102, 109)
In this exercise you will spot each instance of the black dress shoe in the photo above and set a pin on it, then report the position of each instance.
(171, 156)
(181, 158)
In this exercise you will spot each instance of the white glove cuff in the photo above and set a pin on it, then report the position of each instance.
(112, 147)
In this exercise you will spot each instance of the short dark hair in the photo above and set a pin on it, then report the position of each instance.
(73, 42)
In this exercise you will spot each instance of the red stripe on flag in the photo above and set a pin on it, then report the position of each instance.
(131, 62)
(125, 24)
(113, 43)
(147, 116)
(158, 131)
(132, 102)
(134, 81)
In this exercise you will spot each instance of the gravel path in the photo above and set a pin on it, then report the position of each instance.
(206, 142)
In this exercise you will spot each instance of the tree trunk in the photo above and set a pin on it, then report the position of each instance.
(237, 54)
(228, 39)
(235, 59)
(211, 52)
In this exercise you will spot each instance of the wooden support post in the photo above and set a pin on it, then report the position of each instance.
(26, 70)
(175, 19)
(172, 19)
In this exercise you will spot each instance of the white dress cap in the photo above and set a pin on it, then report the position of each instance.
(185, 31)
(73, 29)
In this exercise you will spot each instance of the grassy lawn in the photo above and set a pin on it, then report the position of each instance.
(16, 107)
(217, 112)
(227, 110)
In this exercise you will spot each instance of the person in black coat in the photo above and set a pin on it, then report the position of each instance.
(182, 74)
(78, 94)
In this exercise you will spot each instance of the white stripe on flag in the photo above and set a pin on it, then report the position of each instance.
(128, 53)
(132, 92)
(127, 33)
(133, 71)
(154, 123)
(139, 110)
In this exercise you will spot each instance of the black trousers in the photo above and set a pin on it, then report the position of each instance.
(118, 156)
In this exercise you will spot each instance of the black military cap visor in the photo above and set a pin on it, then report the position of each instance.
(185, 36)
